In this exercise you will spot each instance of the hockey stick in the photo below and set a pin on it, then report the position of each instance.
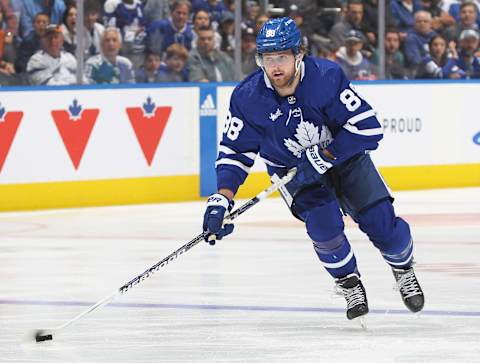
(41, 335)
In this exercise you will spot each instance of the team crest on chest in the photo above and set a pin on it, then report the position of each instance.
(306, 135)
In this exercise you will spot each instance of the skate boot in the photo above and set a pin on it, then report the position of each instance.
(410, 290)
(352, 289)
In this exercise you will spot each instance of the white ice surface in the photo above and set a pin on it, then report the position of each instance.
(260, 296)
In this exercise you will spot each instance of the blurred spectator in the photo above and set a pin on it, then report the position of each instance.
(8, 21)
(327, 51)
(202, 19)
(249, 50)
(206, 64)
(439, 63)
(403, 14)
(93, 29)
(109, 67)
(148, 73)
(298, 17)
(467, 61)
(262, 19)
(54, 9)
(416, 44)
(214, 7)
(353, 19)
(351, 59)
(162, 33)
(156, 10)
(52, 65)
(31, 43)
(468, 20)
(370, 16)
(128, 17)
(17, 9)
(252, 13)
(226, 29)
(441, 20)
(454, 8)
(394, 58)
(174, 69)
(68, 29)
(7, 58)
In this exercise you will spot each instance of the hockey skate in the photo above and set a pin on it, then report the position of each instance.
(410, 290)
(352, 289)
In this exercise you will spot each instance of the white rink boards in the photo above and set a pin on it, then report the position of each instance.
(260, 296)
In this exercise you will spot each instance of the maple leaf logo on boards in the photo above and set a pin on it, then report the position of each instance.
(75, 126)
(149, 122)
(9, 122)
(306, 135)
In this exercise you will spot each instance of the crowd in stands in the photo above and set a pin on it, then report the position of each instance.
(145, 41)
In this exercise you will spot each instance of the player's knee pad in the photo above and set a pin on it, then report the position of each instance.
(389, 233)
(324, 223)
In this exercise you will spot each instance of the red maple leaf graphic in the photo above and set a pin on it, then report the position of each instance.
(8, 129)
(75, 133)
(149, 130)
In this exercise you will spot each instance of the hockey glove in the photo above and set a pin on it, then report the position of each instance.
(217, 205)
(313, 164)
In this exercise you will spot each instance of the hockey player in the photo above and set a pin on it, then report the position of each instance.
(299, 111)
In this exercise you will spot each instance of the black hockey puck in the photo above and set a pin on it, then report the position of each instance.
(41, 338)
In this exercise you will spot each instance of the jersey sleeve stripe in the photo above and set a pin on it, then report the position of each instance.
(236, 163)
(361, 116)
(367, 132)
(227, 151)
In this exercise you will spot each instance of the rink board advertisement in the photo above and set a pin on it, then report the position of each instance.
(98, 146)
(117, 145)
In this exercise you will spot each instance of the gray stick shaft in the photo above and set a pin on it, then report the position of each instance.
(149, 272)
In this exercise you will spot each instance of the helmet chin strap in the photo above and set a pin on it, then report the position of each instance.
(298, 63)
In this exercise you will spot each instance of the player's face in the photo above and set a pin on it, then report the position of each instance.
(280, 67)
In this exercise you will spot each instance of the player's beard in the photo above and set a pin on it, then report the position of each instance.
(285, 81)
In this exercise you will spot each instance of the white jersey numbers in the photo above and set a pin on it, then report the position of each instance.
(233, 126)
(350, 99)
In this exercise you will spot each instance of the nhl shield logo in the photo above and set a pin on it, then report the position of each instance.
(291, 100)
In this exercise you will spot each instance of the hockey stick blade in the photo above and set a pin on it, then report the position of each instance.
(41, 335)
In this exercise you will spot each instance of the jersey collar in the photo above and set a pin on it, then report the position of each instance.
(269, 84)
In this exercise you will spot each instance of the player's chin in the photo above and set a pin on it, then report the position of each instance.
(280, 82)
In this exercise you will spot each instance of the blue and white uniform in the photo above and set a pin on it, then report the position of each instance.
(325, 110)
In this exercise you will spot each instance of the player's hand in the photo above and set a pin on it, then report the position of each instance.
(313, 164)
(217, 206)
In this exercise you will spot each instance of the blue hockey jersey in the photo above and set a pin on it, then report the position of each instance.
(325, 109)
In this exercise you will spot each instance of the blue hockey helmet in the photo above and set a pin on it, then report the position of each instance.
(277, 35)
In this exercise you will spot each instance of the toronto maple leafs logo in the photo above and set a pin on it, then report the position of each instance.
(277, 114)
(306, 135)
(148, 107)
(75, 110)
